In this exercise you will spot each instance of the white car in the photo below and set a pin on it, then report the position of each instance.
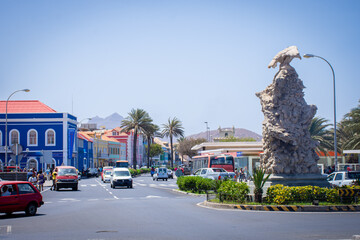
(160, 173)
(121, 177)
(107, 176)
(343, 178)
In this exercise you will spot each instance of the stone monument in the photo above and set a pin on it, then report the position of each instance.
(289, 151)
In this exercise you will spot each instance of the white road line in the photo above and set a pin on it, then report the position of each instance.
(93, 199)
(116, 197)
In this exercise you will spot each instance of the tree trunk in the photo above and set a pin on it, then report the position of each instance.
(171, 152)
(134, 149)
(148, 152)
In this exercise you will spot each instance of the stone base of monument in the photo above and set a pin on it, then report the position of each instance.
(298, 180)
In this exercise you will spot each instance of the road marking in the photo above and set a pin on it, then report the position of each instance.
(116, 197)
(152, 196)
(93, 199)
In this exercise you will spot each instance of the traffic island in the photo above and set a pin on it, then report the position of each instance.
(285, 208)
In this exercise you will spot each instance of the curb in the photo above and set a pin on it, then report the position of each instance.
(285, 208)
(190, 194)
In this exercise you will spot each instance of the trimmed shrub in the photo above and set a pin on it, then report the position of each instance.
(233, 191)
(204, 184)
(280, 194)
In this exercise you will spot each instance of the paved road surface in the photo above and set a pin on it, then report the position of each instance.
(153, 211)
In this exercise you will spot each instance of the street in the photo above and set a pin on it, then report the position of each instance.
(151, 210)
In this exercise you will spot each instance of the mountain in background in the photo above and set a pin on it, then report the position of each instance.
(239, 133)
(110, 122)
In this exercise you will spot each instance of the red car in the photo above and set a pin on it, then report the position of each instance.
(107, 168)
(18, 196)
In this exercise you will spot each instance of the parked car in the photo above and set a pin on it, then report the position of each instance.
(215, 173)
(121, 177)
(107, 176)
(18, 196)
(170, 174)
(66, 177)
(105, 169)
(160, 173)
(92, 172)
(343, 178)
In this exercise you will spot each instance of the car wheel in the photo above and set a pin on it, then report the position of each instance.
(131, 186)
(31, 209)
(157, 179)
(57, 188)
(75, 188)
(166, 179)
(153, 179)
(8, 213)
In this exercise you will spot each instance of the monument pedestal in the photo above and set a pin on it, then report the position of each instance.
(299, 180)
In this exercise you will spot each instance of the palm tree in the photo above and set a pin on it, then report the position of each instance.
(137, 121)
(172, 129)
(319, 132)
(349, 130)
(150, 132)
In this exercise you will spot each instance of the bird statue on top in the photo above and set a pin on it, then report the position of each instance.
(284, 57)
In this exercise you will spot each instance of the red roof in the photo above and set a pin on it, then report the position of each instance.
(25, 106)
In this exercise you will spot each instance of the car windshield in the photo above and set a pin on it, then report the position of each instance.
(66, 171)
(218, 170)
(107, 173)
(162, 170)
(121, 174)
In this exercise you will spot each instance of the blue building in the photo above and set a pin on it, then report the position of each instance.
(38, 136)
(85, 158)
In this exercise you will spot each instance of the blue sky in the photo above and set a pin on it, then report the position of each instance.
(195, 60)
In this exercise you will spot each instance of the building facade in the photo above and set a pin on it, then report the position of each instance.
(41, 137)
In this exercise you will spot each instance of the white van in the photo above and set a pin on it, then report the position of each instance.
(160, 173)
(121, 177)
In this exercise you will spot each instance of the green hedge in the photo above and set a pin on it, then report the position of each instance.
(195, 184)
(280, 194)
(136, 172)
(233, 191)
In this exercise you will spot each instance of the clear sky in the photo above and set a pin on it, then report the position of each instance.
(195, 60)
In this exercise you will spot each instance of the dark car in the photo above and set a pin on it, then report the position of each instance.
(92, 172)
(18, 196)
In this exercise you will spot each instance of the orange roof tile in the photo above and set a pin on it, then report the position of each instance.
(25, 106)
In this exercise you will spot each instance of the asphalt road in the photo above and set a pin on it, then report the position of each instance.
(151, 210)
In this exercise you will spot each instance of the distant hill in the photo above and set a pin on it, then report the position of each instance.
(110, 122)
(239, 133)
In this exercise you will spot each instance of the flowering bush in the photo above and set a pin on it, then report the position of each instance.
(280, 194)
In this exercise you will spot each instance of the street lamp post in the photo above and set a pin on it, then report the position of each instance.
(207, 132)
(333, 73)
(6, 121)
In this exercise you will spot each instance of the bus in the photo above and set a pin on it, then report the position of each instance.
(122, 163)
(225, 161)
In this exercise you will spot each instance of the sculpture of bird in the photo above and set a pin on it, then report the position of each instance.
(284, 57)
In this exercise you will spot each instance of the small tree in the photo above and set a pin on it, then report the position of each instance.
(185, 144)
(155, 150)
(259, 180)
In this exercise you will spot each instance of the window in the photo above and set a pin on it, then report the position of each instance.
(32, 137)
(14, 137)
(25, 188)
(339, 176)
(50, 137)
(1, 138)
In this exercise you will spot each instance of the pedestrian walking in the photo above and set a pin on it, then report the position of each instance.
(33, 179)
(54, 180)
(41, 180)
